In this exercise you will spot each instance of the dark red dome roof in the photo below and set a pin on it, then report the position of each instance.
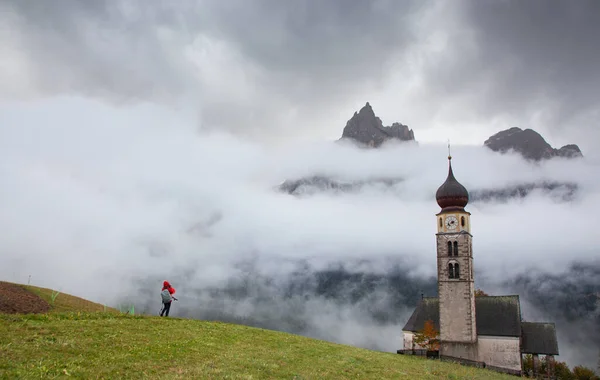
(452, 194)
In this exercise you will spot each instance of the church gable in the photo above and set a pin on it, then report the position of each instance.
(539, 338)
(498, 315)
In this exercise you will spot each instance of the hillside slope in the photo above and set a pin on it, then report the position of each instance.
(70, 336)
(106, 345)
(24, 299)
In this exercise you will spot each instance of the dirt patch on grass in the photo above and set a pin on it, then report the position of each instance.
(15, 299)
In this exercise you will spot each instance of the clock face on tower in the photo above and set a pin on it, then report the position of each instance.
(451, 222)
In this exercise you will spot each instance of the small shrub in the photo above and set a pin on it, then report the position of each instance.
(53, 296)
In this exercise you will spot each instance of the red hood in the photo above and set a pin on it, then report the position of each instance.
(166, 284)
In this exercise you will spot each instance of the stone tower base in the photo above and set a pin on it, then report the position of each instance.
(466, 352)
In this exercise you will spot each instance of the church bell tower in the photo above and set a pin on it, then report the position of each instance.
(456, 285)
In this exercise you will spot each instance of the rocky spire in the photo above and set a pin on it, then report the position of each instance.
(366, 128)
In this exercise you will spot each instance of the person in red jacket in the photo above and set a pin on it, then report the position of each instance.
(167, 297)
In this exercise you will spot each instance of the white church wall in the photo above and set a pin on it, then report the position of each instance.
(500, 351)
(408, 340)
(409, 337)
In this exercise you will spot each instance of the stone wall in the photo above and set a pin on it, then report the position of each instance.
(501, 354)
(499, 351)
(466, 352)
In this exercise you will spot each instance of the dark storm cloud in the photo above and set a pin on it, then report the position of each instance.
(312, 55)
(102, 49)
(315, 40)
(230, 58)
(266, 66)
(528, 62)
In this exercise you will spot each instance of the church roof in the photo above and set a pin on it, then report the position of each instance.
(496, 315)
(451, 194)
(539, 338)
(427, 308)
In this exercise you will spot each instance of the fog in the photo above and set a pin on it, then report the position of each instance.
(143, 140)
(106, 203)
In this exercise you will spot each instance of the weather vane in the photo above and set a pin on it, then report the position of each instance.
(449, 155)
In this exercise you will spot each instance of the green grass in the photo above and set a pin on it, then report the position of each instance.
(78, 339)
(109, 345)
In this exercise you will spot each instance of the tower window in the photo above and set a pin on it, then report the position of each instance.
(455, 248)
(462, 221)
(453, 270)
(440, 222)
(449, 248)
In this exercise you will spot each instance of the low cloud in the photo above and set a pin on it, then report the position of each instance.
(106, 207)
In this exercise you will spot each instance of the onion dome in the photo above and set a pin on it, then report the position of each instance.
(452, 195)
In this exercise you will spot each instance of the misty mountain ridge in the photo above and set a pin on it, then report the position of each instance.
(308, 186)
(366, 130)
(321, 183)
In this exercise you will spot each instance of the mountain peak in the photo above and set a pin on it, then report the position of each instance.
(530, 144)
(366, 128)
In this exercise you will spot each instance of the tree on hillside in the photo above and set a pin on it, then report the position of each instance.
(428, 337)
(479, 292)
(584, 373)
(561, 370)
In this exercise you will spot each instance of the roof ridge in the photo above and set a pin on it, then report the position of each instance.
(539, 323)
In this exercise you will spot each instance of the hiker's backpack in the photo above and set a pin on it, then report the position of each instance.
(165, 295)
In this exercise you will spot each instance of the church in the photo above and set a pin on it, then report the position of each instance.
(485, 331)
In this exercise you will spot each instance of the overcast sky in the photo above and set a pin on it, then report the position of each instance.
(271, 70)
(107, 178)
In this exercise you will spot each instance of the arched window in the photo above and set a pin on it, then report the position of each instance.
(453, 270)
(455, 248)
(440, 222)
(462, 221)
(449, 248)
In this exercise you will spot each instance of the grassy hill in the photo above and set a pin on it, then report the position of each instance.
(95, 344)
(65, 302)
(33, 299)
